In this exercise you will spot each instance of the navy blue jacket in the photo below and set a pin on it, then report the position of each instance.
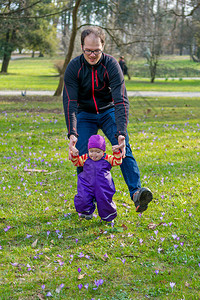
(95, 89)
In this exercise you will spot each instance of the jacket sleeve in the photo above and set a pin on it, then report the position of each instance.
(70, 97)
(78, 161)
(119, 95)
(115, 159)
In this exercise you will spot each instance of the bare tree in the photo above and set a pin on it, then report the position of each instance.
(70, 49)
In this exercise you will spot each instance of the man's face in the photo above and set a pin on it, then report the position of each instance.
(92, 43)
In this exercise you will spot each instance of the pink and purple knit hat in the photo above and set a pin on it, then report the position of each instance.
(97, 141)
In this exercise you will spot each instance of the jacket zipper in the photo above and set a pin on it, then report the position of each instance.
(96, 77)
(95, 103)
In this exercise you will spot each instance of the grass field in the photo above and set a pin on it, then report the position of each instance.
(47, 252)
(168, 66)
(40, 74)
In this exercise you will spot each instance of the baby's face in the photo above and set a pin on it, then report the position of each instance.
(95, 154)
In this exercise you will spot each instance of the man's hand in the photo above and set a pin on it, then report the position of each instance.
(72, 143)
(74, 151)
(115, 148)
(122, 145)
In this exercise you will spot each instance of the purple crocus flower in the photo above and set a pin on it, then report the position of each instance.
(81, 254)
(28, 236)
(98, 283)
(172, 284)
(123, 260)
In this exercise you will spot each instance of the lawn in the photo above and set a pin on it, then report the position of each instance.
(168, 66)
(47, 252)
(40, 74)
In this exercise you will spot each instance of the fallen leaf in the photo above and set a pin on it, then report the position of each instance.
(187, 285)
(152, 225)
(161, 223)
(41, 297)
(124, 227)
(58, 289)
(35, 170)
(104, 258)
(80, 276)
(34, 244)
(22, 279)
(51, 172)
(130, 255)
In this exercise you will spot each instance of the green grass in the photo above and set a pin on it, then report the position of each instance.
(171, 66)
(40, 74)
(30, 74)
(176, 85)
(43, 242)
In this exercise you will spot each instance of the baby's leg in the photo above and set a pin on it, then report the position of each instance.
(84, 200)
(105, 205)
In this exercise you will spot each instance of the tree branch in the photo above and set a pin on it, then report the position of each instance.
(187, 15)
(2, 16)
(19, 9)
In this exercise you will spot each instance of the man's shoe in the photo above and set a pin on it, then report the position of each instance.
(87, 217)
(141, 198)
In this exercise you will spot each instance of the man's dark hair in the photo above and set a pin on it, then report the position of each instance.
(98, 32)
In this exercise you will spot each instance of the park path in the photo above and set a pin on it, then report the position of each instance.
(130, 93)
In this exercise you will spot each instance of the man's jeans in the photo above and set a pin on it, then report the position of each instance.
(88, 124)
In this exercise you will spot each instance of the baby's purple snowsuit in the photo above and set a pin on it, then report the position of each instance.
(95, 182)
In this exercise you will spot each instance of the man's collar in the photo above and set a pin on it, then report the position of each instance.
(90, 66)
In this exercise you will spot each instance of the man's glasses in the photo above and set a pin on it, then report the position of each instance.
(89, 52)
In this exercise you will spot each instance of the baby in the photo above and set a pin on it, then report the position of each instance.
(95, 182)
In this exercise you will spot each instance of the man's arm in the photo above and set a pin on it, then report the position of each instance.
(70, 97)
(119, 95)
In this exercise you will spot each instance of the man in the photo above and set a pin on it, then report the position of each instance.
(124, 67)
(95, 97)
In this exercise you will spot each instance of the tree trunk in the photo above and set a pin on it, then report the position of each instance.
(153, 67)
(5, 63)
(6, 54)
(70, 49)
(182, 29)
